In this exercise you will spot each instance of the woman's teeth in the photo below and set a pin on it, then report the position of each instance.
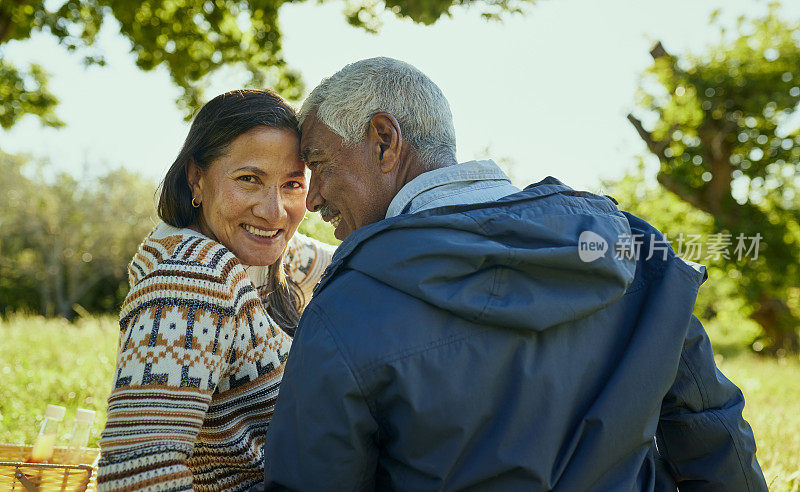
(260, 232)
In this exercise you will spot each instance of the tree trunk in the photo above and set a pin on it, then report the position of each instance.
(6, 26)
(777, 322)
(63, 307)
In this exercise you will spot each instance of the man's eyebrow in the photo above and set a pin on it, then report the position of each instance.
(297, 174)
(309, 153)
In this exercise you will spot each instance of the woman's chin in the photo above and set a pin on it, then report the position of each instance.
(259, 256)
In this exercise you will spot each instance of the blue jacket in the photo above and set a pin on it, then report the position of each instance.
(471, 347)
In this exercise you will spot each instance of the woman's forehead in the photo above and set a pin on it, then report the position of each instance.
(267, 151)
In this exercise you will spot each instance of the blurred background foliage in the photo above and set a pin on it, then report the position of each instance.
(65, 241)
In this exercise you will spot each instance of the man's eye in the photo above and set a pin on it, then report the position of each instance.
(248, 178)
(295, 185)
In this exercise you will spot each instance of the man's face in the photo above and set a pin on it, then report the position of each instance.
(346, 187)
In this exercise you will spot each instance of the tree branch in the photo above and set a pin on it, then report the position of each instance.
(657, 147)
(658, 51)
(719, 188)
(685, 193)
(5, 26)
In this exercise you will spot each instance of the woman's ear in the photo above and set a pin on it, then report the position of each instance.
(194, 176)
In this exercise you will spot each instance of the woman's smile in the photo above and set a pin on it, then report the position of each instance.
(262, 233)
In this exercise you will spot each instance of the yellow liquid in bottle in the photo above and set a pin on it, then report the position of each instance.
(43, 448)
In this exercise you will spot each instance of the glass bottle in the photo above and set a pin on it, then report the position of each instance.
(80, 436)
(45, 442)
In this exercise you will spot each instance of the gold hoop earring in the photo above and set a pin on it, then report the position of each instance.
(195, 204)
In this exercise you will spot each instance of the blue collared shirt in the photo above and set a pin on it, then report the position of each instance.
(460, 184)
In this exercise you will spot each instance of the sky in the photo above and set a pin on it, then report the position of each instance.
(546, 92)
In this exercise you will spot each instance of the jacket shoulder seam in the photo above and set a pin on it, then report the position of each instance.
(493, 291)
(686, 270)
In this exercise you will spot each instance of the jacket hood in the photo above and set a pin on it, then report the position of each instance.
(531, 260)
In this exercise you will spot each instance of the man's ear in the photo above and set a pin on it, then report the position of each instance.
(386, 140)
(194, 176)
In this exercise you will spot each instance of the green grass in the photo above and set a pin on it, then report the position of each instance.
(772, 406)
(71, 364)
(53, 361)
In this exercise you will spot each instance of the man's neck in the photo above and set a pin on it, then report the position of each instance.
(411, 167)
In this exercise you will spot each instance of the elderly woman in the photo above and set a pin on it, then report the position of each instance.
(217, 289)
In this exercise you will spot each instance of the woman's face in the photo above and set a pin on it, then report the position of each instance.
(253, 197)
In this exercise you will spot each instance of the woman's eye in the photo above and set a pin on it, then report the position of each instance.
(296, 185)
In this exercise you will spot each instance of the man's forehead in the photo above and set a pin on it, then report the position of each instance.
(311, 126)
(314, 138)
(307, 146)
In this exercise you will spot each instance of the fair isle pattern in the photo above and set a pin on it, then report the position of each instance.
(198, 367)
(306, 260)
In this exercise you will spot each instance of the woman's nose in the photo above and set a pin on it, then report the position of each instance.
(270, 206)
(314, 200)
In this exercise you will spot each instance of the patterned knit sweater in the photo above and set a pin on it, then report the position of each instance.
(198, 366)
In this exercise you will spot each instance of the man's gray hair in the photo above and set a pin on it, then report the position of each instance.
(347, 100)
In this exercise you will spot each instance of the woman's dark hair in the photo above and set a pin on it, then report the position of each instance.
(214, 127)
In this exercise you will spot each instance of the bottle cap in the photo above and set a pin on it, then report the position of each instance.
(84, 416)
(55, 412)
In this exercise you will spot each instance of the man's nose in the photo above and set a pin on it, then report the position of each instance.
(270, 206)
(314, 200)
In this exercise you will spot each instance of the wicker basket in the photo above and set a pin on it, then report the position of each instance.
(16, 475)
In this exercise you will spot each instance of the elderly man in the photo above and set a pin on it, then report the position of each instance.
(469, 335)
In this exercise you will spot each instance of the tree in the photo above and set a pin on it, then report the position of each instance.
(724, 140)
(18, 290)
(67, 242)
(191, 38)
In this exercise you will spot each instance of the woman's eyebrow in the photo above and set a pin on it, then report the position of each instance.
(251, 169)
(260, 172)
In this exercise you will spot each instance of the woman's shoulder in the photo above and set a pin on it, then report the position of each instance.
(306, 259)
(174, 249)
(181, 263)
